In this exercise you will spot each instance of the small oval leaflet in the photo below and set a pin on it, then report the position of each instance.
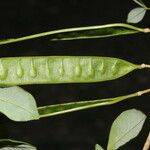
(9, 144)
(98, 147)
(136, 15)
(19, 147)
(125, 127)
(17, 104)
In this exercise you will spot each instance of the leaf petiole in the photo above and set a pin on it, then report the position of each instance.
(146, 8)
(144, 66)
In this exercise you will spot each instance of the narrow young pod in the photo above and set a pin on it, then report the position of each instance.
(62, 69)
(58, 109)
(99, 31)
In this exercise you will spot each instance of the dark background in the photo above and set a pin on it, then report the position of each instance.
(77, 130)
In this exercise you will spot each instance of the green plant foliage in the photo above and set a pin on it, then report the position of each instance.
(18, 147)
(8, 144)
(88, 32)
(17, 104)
(58, 109)
(137, 14)
(62, 69)
(127, 126)
(98, 147)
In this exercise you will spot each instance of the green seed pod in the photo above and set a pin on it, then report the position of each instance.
(62, 69)
(58, 109)
(89, 32)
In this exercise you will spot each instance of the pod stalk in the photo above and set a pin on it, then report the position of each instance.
(144, 66)
(147, 143)
(146, 30)
(143, 92)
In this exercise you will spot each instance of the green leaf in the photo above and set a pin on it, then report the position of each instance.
(18, 147)
(8, 144)
(136, 15)
(58, 109)
(17, 104)
(125, 127)
(88, 32)
(140, 3)
(98, 147)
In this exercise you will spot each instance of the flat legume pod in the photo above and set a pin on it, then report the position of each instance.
(61, 69)
(89, 32)
(58, 109)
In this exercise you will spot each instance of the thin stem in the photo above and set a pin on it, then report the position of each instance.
(140, 3)
(147, 143)
(147, 8)
(146, 30)
(144, 66)
(143, 92)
